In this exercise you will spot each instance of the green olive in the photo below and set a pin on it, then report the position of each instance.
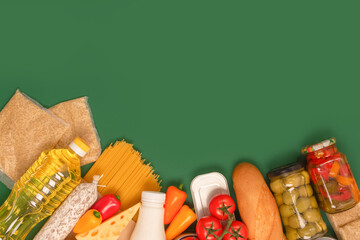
(332, 186)
(318, 227)
(286, 210)
(302, 191)
(308, 231)
(309, 190)
(323, 225)
(277, 186)
(279, 199)
(306, 191)
(302, 204)
(306, 177)
(290, 196)
(285, 221)
(291, 233)
(294, 180)
(313, 202)
(312, 215)
(297, 221)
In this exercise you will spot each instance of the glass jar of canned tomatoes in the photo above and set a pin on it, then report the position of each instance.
(334, 183)
(297, 204)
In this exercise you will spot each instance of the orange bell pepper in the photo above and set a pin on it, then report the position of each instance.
(175, 198)
(181, 222)
(90, 220)
(334, 171)
(355, 191)
(346, 181)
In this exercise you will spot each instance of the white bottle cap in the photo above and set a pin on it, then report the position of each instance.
(153, 197)
(79, 147)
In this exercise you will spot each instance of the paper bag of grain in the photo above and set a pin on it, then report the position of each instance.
(78, 115)
(346, 224)
(26, 129)
(350, 231)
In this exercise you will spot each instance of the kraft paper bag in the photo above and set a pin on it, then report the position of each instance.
(78, 115)
(26, 129)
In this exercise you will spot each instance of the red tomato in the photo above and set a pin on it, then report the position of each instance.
(208, 228)
(237, 231)
(191, 238)
(222, 206)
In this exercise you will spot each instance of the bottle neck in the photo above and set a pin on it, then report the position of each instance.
(152, 204)
(151, 211)
(72, 153)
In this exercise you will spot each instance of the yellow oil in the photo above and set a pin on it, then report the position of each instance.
(39, 192)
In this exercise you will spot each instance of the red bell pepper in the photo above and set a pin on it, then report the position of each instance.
(108, 205)
(318, 173)
(326, 166)
(343, 195)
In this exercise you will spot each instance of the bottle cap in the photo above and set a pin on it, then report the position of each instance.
(324, 144)
(153, 197)
(79, 147)
(291, 167)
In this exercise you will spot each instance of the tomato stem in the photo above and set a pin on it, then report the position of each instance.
(229, 222)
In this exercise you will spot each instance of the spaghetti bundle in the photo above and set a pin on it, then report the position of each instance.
(124, 173)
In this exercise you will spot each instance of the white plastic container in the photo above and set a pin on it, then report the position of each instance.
(150, 224)
(204, 188)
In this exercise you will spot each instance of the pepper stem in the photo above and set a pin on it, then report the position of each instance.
(117, 197)
(97, 214)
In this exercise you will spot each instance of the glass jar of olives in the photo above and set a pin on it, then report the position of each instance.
(334, 183)
(297, 204)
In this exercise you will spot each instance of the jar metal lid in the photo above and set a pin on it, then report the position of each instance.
(285, 169)
(324, 144)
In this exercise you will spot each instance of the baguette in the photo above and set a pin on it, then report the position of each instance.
(257, 206)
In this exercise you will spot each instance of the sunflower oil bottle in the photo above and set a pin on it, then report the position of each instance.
(43, 187)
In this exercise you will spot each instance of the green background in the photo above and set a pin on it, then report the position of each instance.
(196, 86)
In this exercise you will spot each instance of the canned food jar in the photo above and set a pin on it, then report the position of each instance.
(187, 236)
(333, 181)
(297, 204)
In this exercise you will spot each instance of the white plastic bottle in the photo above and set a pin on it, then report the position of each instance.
(150, 224)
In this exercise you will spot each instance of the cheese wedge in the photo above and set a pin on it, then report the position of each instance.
(111, 228)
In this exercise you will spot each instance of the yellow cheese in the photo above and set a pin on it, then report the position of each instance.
(111, 228)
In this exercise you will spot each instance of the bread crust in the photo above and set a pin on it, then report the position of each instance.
(257, 206)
